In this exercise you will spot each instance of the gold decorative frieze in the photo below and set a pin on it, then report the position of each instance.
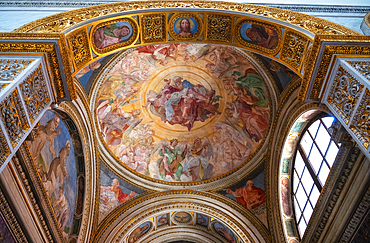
(344, 94)
(360, 125)
(59, 23)
(4, 148)
(35, 93)
(153, 28)
(294, 49)
(79, 44)
(11, 68)
(13, 117)
(218, 27)
(362, 67)
(185, 26)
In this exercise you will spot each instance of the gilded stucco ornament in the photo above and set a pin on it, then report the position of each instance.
(14, 117)
(35, 93)
(53, 45)
(218, 27)
(295, 46)
(64, 21)
(362, 67)
(153, 28)
(361, 121)
(344, 94)
(79, 44)
(10, 69)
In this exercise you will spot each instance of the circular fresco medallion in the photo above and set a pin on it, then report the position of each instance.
(183, 112)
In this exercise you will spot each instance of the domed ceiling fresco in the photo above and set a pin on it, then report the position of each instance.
(183, 112)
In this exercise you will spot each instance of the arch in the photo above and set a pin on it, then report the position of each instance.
(119, 224)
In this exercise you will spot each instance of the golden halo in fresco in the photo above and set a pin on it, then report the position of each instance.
(183, 112)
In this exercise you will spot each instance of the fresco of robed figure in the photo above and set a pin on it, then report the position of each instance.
(53, 153)
(112, 34)
(185, 26)
(260, 35)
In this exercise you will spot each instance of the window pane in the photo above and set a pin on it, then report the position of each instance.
(306, 143)
(315, 159)
(322, 139)
(302, 227)
(295, 182)
(327, 121)
(332, 153)
(299, 164)
(307, 181)
(313, 128)
(297, 209)
(308, 211)
(323, 174)
(314, 195)
(301, 196)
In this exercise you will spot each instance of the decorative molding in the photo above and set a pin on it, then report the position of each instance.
(64, 21)
(10, 218)
(27, 160)
(363, 67)
(52, 46)
(358, 216)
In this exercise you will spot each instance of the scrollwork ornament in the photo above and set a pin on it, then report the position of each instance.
(79, 44)
(153, 27)
(35, 93)
(10, 69)
(344, 94)
(361, 121)
(13, 116)
(294, 48)
(362, 67)
(218, 27)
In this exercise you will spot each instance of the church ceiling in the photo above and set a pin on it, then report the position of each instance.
(171, 120)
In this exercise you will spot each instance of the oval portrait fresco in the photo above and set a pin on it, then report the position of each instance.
(259, 35)
(112, 34)
(185, 26)
(183, 112)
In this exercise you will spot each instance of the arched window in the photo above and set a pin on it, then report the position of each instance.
(314, 157)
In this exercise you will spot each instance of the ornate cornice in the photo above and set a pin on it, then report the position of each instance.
(64, 21)
(290, 7)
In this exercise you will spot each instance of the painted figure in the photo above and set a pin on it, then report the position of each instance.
(285, 196)
(48, 133)
(249, 196)
(185, 29)
(109, 35)
(58, 167)
(112, 196)
(263, 36)
(137, 233)
(61, 210)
